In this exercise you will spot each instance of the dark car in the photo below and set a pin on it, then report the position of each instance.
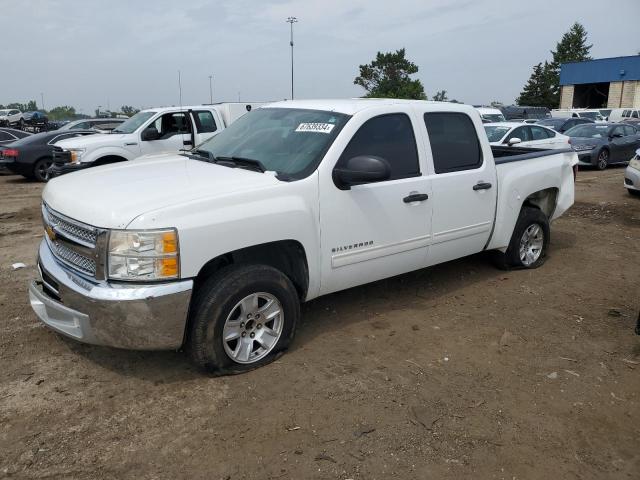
(32, 156)
(35, 118)
(100, 124)
(602, 144)
(520, 112)
(10, 135)
(561, 125)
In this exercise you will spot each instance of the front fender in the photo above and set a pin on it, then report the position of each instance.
(93, 155)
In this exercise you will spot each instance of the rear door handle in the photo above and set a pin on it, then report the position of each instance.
(482, 186)
(415, 197)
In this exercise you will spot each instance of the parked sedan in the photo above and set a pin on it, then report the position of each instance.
(32, 156)
(10, 135)
(602, 144)
(102, 125)
(632, 176)
(532, 136)
(563, 124)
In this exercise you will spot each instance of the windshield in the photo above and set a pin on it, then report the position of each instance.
(589, 130)
(70, 125)
(591, 115)
(495, 133)
(493, 117)
(288, 141)
(134, 122)
(3, 112)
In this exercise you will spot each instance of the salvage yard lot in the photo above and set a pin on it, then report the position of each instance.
(457, 371)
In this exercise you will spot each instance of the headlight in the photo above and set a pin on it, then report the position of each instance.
(580, 148)
(76, 154)
(143, 255)
(635, 162)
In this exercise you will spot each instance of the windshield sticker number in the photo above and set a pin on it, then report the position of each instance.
(315, 127)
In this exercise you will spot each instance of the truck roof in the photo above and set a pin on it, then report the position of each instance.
(354, 105)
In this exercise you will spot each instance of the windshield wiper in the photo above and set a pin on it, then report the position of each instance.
(241, 162)
(198, 155)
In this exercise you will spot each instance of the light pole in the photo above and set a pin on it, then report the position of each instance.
(42, 100)
(291, 21)
(210, 88)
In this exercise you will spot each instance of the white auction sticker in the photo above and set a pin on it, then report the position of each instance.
(315, 127)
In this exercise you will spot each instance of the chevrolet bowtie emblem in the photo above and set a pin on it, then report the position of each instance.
(50, 233)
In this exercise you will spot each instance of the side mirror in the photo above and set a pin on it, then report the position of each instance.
(513, 141)
(361, 169)
(150, 133)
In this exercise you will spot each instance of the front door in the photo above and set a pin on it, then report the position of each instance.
(174, 134)
(463, 184)
(373, 231)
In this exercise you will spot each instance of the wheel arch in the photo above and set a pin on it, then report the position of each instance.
(108, 159)
(544, 200)
(288, 256)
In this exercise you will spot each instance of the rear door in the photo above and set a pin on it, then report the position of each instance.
(631, 141)
(463, 182)
(206, 123)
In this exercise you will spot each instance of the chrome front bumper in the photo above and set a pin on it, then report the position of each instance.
(122, 315)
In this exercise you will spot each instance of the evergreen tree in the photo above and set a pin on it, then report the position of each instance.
(389, 76)
(572, 47)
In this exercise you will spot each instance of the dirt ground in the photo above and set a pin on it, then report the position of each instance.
(457, 371)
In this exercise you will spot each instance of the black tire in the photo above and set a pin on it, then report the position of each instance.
(635, 193)
(40, 169)
(216, 300)
(21, 124)
(603, 159)
(511, 259)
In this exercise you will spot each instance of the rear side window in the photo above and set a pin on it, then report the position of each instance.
(205, 121)
(390, 137)
(634, 114)
(538, 133)
(454, 141)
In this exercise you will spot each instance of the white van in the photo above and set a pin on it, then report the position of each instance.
(490, 114)
(622, 114)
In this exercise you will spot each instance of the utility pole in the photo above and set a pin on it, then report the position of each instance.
(210, 88)
(291, 21)
(42, 100)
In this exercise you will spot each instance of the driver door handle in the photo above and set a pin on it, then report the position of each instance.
(415, 197)
(482, 186)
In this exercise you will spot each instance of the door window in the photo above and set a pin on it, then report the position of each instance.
(634, 114)
(205, 122)
(454, 141)
(538, 133)
(629, 130)
(171, 124)
(521, 132)
(390, 137)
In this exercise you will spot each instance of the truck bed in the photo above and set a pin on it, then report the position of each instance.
(516, 154)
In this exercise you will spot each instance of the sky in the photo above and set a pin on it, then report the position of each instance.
(90, 53)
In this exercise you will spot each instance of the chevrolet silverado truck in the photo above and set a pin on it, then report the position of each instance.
(214, 249)
(152, 131)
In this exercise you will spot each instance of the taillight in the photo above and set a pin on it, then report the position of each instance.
(10, 152)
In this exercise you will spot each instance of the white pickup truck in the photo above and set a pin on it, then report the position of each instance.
(215, 249)
(152, 131)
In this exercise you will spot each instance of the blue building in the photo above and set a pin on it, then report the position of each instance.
(602, 83)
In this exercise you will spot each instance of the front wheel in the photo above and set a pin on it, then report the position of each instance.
(603, 159)
(529, 241)
(635, 193)
(242, 318)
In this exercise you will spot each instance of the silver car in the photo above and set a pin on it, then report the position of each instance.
(632, 175)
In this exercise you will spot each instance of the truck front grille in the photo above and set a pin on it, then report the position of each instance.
(73, 243)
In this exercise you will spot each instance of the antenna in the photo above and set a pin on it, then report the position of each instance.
(180, 88)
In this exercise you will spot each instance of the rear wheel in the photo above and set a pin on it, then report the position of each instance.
(529, 241)
(242, 318)
(41, 169)
(603, 159)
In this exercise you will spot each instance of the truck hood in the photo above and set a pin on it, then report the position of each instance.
(90, 141)
(112, 196)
